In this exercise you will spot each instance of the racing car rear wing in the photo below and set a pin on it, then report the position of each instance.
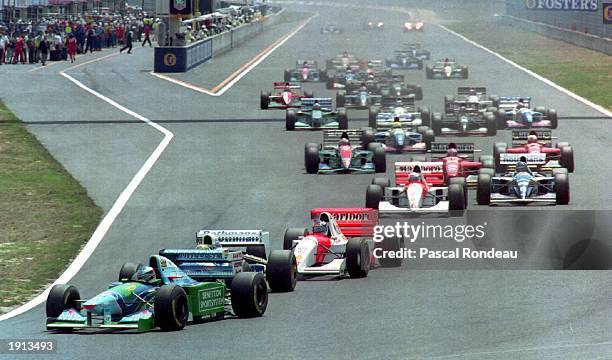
(307, 103)
(309, 64)
(233, 238)
(283, 84)
(513, 158)
(433, 172)
(405, 101)
(509, 102)
(465, 90)
(412, 45)
(353, 222)
(465, 150)
(331, 137)
(519, 136)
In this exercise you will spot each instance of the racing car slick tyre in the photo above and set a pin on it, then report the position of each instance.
(382, 182)
(495, 100)
(257, 251)
(373, 196)
(292, 234)
(171, 307)
(562, 189)
(425, 116)
(264, 100)
(290, 120)
(287, 75)
(456, 198)
(499, 148)
(311, 158)
(281, 271)
(62, 297)
(127, 271)
(560, 171)
(541, 109)
(428, 138)
(464, 73)
(491, 124)
(308, 94)
(393, 244)
(500, 116)
(461, 182)
(554, 118)
(372, 146)
(483, 189)
(249, 294)
(567, 158)
(420, 65)
(357, 258)
(367, 137)
(342, 119)
(487, 161)
(418, 92)
(372, 114)
(488, 171)
(436, 124)
(491, 109)
(429, 72)
(380, 160)
(340, 98)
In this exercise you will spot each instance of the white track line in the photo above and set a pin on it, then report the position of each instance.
(115, 210)
(243, 73)
(589, 103)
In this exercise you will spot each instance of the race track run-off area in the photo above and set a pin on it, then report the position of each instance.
(164, 160)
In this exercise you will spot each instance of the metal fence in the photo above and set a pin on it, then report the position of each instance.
(586, 16)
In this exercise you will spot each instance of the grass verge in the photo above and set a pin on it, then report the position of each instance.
(45, 214)
(585, 72)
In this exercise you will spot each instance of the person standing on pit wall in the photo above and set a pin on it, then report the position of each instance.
(147, 35)
(3, 42)
(31, 49)
(128, 42)
(43, 48)
(71, 44)
(90, 41)
(19, 54)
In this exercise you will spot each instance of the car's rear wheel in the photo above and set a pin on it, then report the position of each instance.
(249, 294)
(436, 124)
(498, 149)
(342, 119)
(382, 182)
(372, 114)
(340, 98)
(461, 182)
(483, 189)
(357, 257)
(554, 118)
(264, 100)
(425, 116)
(281, 271)
(567, 158)
(491, 124)
(380, 159)
(374, 194)
(456, 198)
(391, 244)
(562, 189)
(290, 117)
(127, 271)
(311, 158)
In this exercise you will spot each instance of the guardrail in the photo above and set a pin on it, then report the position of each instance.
(175, 59)
(589, 41)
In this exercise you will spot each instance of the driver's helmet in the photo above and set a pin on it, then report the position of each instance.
(532, 139)
(344, 141)
(415, 175)
(345, 54)
(473, 98)
(287, 87)
(399, 101)
(398, 123)
(445, 60)
(305, 63)
(349, 70)
(521, 103)
(144, 273)
(452, 152)
(521, 165)
(316, 105)
(363, 87)
(320, 228)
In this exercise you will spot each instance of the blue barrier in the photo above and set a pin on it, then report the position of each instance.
(173, 59)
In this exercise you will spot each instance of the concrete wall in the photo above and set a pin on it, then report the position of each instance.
(583, 21)
(585, 40)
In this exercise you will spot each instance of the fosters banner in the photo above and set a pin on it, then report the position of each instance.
(567, 5)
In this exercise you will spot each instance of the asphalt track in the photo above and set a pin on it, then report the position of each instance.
(232, 166)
